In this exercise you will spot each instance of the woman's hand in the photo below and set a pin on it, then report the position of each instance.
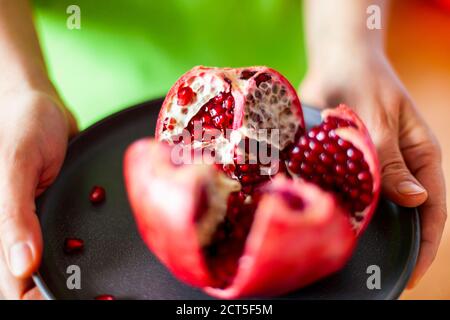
(34, 129)
(410, 155)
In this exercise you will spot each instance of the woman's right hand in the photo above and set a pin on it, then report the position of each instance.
(34, 130)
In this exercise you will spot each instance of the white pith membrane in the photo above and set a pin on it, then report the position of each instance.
(218, 188)
(268, 107)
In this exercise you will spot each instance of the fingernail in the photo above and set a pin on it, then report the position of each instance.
(20, 258)
(409, 187)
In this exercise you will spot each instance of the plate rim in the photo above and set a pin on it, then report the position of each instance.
(394, 294)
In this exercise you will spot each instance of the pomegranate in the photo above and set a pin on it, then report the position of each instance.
(234, 223)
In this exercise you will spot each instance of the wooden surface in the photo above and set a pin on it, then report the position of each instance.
(419, 48)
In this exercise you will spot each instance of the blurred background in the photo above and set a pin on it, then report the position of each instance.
(126, 69)
(419, 48)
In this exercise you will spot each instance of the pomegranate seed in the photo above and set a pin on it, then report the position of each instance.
(73, 245)
(321, 169)
(97, 195)
(340, 157)
(244, 168)
(105, 297)
(366, 199)
(330, 148)
(185, 96)
(339, 169)
(262, 77)
(294, 166)
(344, 144)
(328, 126)
(326, 159)
(352, 167)
(219, 98)
(246, 179)
(247, 74)
(332, 135)
(296, 153)
(354, 154)
(306, 169)
(303, 142)
(313, 132)
(205, 118)
(364, 176)
(315, 147)
(352, 180)
(354, 193)
(229, 103)
(321, 136)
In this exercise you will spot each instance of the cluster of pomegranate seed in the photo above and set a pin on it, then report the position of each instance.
(185, 96)
(334, 164)
(217, 113)
(73, 245)
(97, 195)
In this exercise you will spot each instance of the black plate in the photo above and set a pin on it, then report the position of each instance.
(116, 261)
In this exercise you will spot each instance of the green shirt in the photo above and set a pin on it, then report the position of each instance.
(130, 51)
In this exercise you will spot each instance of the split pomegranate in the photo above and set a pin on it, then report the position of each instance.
(241, 225)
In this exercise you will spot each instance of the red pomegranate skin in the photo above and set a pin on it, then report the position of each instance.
(299, 230)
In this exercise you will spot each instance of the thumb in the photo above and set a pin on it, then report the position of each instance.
(398, 184)
(20, 233)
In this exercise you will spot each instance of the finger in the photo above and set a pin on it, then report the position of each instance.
(11, 287)
(73, 125)
(20, 234)
(33, 294)
(398, 184)
(311, 93)
(422, 154)
(433, 213)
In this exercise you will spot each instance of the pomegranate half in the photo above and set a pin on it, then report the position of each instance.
(234, 223)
